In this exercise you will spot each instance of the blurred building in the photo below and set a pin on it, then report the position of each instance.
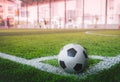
(7, 10)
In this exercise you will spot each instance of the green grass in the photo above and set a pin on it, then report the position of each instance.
(38, 43)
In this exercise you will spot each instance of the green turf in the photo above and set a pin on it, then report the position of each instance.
(38, 43)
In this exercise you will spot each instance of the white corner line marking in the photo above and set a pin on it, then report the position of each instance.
(91, 32)
(105, 63)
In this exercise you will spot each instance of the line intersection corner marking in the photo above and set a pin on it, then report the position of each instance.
(105, 63)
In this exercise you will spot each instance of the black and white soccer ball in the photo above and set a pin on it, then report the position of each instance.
(72, 58)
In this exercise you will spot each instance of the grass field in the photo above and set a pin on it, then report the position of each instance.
(34, 43)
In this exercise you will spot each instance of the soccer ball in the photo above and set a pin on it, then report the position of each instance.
(72, 58)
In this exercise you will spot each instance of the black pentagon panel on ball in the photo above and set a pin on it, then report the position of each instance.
(62, 64)
(78, 67)
(85, 54)
(71, 52)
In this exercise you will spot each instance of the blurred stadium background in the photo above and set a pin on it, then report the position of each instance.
(85, 14)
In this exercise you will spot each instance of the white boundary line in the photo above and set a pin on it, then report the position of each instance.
(105, 63)
(91, 32)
